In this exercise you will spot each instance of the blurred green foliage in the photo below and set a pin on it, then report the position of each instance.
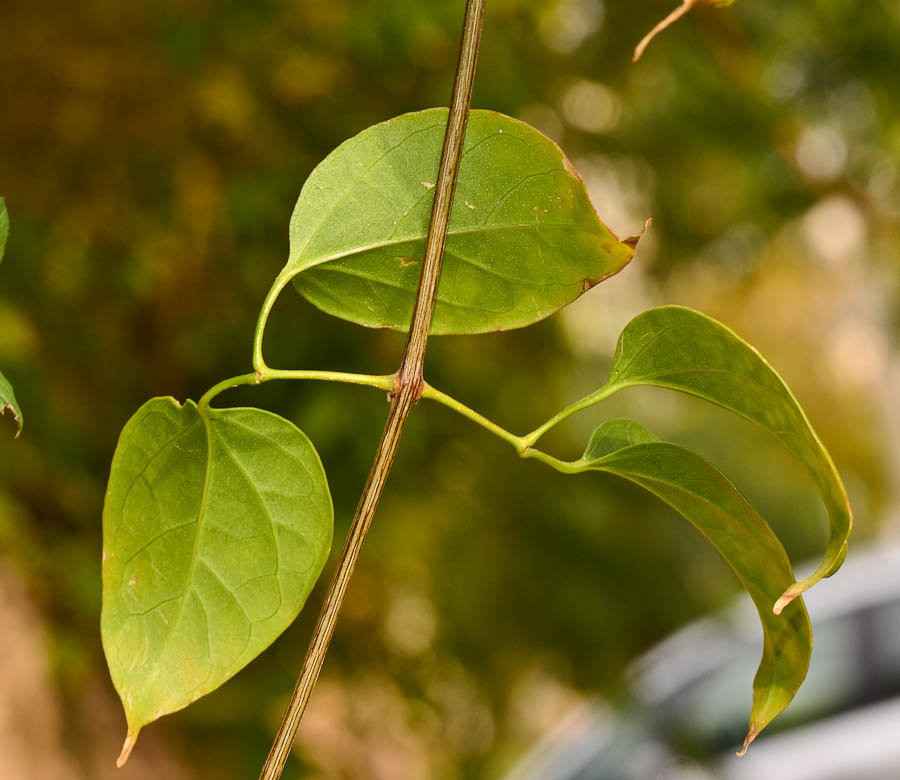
(150, 156)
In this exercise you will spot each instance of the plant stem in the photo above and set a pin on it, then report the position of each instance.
(673, 17)
(408, 386)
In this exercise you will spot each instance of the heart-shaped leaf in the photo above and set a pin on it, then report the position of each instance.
(216, 526)
(524, 239)
(703, 495)
(685, 350)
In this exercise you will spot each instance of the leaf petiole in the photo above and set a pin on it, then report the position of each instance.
(384, 382)
(433, 394)
(588, 401)
(521, 444)
(281, 281)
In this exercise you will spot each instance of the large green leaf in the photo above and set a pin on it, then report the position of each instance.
(704, 496)
(684, 350)
(216, 525)
(524, 239)
(8, 401)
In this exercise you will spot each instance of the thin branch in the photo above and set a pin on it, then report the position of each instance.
(408, 386)
(673, 17)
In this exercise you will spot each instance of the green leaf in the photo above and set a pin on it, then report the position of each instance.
(684, 350)
(524, 239)
(704, 496)
(8, 401)
(216, 525)
(4, 227)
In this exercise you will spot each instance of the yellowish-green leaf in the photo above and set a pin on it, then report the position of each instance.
(524, 239)
(705, 497)
(216, 525)
(685, 350)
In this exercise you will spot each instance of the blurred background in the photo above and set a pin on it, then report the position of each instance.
(151, 154)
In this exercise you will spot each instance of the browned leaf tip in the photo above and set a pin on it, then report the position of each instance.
(632, 241)
(751, 735)
(126, 750)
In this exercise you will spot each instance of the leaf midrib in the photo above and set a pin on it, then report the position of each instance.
(194, 554)
(358, 250)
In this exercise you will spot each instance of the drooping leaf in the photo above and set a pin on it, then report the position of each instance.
(216, 525)
(705, 497)
(8, 401)
(685, 350)
(524, 239)
(684, 8)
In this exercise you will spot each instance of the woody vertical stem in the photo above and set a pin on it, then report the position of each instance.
(408, 385)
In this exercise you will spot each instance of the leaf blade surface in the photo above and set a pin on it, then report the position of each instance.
(706, 498)
(524, 239)
(682, 349)
(217, 524)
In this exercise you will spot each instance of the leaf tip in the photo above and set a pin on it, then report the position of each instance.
(127, 747)
(751, 735)
(632, 241)
(787, 597)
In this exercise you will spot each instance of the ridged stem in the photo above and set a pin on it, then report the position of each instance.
(408, 387)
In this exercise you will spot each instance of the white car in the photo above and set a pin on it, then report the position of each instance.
(691, 698)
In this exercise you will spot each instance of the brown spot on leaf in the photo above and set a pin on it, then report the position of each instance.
(406, 261)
